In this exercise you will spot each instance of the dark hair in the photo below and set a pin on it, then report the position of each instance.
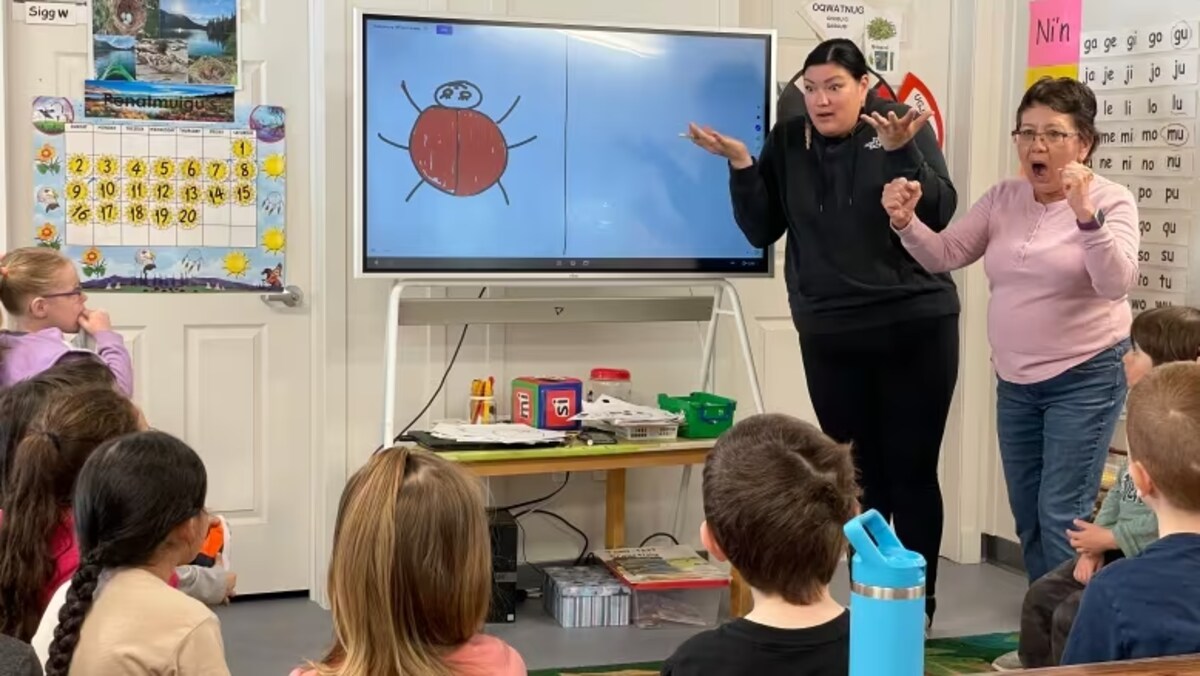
(22, 401)
(1164, 431)
(777, 492)
(48, 460)
(1067, 96)
(844, 53)
(1167, 334)
(122, 517)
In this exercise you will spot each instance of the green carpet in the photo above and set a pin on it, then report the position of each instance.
(943, 657)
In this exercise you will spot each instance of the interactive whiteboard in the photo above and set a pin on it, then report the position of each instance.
(532, 148)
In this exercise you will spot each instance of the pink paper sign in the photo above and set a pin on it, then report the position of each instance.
(1054, 32)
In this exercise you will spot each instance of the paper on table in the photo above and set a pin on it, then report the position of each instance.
(619, 412)
(504, 433)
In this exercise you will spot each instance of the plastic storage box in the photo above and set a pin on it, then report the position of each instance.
(585, 596)
(706, 416)
(672, 586)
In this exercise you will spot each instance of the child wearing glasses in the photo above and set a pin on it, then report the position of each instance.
(40, 291)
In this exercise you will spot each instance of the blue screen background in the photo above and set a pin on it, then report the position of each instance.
(608, 175)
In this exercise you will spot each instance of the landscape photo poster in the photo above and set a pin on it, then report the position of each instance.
(175, 42)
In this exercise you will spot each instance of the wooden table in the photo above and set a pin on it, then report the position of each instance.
(1163, 666)
(614, 460)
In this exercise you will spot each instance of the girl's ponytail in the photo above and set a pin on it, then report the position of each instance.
(31, 514)
(80, 597)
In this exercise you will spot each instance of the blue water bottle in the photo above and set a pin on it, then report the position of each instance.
(887, 601)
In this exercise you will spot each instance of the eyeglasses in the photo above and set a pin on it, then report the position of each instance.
(77, 291)
(1054, 137)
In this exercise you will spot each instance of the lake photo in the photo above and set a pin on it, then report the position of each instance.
(115, 57)
(209, 28)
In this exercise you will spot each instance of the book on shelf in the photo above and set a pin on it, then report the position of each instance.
(663, 567)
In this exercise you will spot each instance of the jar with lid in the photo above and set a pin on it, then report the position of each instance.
(611, 382)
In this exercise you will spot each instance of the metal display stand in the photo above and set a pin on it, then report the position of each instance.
(567, 310)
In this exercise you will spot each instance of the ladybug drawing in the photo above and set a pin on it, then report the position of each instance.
(454, 147)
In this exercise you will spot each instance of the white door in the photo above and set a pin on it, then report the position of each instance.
(225, 372)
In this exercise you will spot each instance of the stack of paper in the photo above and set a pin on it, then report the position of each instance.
(613, 411)
(504, 433)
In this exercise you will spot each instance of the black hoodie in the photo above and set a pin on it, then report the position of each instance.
(846, 269)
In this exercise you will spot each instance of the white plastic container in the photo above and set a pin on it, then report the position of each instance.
(612, 382)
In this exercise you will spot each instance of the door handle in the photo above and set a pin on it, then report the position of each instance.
(291, 296)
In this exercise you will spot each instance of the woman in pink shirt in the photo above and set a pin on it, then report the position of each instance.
(411, 575)
(1060, 250)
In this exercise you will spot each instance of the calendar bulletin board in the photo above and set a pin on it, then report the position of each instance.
(143, 206)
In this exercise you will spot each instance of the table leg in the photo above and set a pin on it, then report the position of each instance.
(614, 509)
(740, 601)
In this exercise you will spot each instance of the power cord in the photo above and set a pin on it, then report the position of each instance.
(586, 542)
(445, 374)
(527, 503)
(650, 537)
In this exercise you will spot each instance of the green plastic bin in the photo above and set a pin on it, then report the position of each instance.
(706, 416)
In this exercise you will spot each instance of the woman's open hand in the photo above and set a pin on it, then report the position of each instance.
(895, 132)
(718, 144)
(900, 199)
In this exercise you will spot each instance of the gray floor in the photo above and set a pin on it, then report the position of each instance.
(270, 637)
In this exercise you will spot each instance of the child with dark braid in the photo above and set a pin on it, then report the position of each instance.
(121, 615)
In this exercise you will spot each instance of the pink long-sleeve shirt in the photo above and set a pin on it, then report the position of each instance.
(1058, 293)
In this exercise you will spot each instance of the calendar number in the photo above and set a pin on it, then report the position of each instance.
(136, 213)
(188, 218)
(244, 194)
(106, 166)
(81, 213)
(107, 212)
(190, 193)
(190, 168)
(106, 189)
(163, 192)
(217, 195)
(135, 190)
(161, 217)
(244, 169)
(135, 168)
(216, 170)
(164, 168)
(77, 190)
(79, 165)
(243, 148)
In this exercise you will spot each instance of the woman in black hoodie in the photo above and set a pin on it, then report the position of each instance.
(878, 334)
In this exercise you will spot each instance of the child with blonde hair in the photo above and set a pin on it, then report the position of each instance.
(411, 575)
(40, 291)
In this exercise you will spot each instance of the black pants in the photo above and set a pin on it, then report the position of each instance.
(1048, 613)
(887, 391)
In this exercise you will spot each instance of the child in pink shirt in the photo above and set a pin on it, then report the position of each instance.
(1059, 247)
(411, 575)
(36, 502)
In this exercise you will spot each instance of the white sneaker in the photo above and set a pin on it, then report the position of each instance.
(1008, 662)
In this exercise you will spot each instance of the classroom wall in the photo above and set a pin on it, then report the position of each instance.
(661, 357)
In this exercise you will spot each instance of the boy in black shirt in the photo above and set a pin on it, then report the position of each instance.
(776, 494)
(1149, 605)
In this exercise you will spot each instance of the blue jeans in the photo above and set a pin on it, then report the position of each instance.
(1054, 440)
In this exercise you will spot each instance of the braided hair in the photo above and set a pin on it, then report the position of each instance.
(123, 520)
